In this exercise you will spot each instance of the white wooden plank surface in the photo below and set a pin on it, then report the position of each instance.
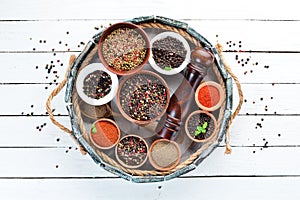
(228, 188)
(47, 35)
(46, 163)
(117, 9)
(56, 162)
(271, 67)
(33, 132)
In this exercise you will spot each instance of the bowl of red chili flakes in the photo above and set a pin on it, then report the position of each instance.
(124, 48)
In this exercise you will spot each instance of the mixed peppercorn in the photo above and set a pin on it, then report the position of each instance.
(97, 84)
(132, 150)
(143, 97)
(124, 49)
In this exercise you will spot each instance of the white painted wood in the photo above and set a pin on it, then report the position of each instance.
(270, 68)
(192, 9)
(46, 164)
(56, 162)
(270, 99)
(228, 188)
(34, 68)
(35, 95)
(49, 35)
(256, 35)
(257, 130)
(265, 67)
(22, 131)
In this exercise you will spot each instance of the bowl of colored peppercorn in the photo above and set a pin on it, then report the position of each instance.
(96, 85)
(209, 96)
(104, 133)
(124, 48)
(143, 97)
(200, 126)
(170, 53)
(132, 151)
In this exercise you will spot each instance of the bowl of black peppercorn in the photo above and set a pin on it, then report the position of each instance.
(170, 53)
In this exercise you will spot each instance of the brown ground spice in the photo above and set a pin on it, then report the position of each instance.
(164, 154)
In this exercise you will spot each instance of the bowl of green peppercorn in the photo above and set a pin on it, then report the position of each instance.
(124, 48)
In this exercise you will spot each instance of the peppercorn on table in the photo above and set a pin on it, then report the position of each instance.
(41, 161)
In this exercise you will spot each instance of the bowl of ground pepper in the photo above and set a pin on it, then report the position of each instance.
(164, 154)
(170, 53)
(143, 97)
(124, 48)
(96, 85)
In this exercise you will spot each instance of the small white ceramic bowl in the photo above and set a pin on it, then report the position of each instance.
(174, 70)
(88, 70)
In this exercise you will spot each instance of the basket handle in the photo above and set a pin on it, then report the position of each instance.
(228, 149)
(53, 94)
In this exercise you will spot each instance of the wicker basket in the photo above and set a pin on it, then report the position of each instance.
(195, 154)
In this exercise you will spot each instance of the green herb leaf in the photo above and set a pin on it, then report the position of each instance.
(197, 133)
(205, 125)
(94, 130)
(199, 128)
(168, 68)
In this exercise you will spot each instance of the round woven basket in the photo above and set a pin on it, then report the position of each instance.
(191, 159)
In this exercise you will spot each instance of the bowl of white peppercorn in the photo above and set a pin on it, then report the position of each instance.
(170, 53)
